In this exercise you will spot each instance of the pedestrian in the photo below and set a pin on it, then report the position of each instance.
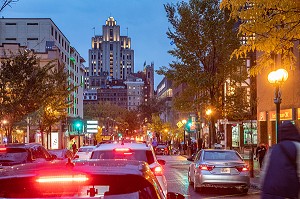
(200, 144)
(74, 147)
(261, 151)
(280, 176)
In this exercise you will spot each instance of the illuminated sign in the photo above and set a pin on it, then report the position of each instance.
(262, 116)
(286, 114)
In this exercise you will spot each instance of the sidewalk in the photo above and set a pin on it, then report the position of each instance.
(255, 181)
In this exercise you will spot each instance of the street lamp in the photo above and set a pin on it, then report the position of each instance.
(184, 141)
(277, 78)
(208, 112)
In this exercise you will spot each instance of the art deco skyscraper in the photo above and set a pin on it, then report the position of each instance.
(110, 56)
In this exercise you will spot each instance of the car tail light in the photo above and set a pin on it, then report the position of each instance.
(242, 168)
(2, 149)
(158, 171)
(122, 149)
(206, 167)
(62, 179)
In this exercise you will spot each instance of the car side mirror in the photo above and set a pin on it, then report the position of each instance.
(172, 195)
(191, 158)
(53, 157)
(161, 162)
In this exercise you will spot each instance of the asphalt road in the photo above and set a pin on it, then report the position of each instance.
(176, 169)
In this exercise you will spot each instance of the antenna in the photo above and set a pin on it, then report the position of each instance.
(127, 31)
(94, 31)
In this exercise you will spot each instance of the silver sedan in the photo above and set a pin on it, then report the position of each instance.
(218, 168)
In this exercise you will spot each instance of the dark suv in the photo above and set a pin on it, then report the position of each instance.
(14, 154)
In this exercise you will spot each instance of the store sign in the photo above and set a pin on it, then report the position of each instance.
(262, 116)
(92, 126)
(286, 114)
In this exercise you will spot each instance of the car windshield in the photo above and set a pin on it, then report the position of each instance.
(221, 155)
(86, 149)
(142, 155)
(13, 155)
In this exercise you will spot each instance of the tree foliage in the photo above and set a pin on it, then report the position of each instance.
(146, 110)
(271, 27)
(204, 39)
(6, 3)
(26, 86)
(106, 111)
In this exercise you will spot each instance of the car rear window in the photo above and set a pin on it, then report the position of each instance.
(13, 155)
(221, 155)
(85, 149)
(141, 155)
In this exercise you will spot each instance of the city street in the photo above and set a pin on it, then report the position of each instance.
(176, 169)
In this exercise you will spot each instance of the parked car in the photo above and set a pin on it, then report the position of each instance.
(84, 152)
(161, 149)
(62, 154)
(108, 179)
(14, 154)
(218, 168)
(133, 151)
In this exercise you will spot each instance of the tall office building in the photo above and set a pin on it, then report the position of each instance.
(41, 35)
(111, 55)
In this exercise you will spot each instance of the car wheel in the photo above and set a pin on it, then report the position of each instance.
(189, 178)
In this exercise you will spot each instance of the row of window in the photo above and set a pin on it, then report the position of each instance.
(14, 39)
(28, 24)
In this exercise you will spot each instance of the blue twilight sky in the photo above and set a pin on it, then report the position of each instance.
(145, 19)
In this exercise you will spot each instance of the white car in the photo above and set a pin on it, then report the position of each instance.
(133, 151)
(84, 152)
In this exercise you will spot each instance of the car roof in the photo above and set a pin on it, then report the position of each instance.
(134, 146)
(90, 146)
(116, 166)
(221, 150)
(22, 145)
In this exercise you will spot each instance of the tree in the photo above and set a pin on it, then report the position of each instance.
(25, 85)
(270, 27)
(6, 3)
(204, 38)
(153, 106)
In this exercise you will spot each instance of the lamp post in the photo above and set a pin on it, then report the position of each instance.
(184, 141)
(277, 78)
(208, 113)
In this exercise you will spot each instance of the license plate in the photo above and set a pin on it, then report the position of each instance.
(225, 170)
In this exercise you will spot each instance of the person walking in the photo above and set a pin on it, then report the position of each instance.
(261, 151)
(74, 147)
(280, 176)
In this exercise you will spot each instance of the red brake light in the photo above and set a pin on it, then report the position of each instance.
(206, 167)
(158, 171)
(122, 149)
(62, 178)
(2, 149)
(242, 168)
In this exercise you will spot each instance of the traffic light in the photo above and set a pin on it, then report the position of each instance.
(189, 124)
(77, 125)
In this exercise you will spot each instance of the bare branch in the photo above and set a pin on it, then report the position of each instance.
(7, 3)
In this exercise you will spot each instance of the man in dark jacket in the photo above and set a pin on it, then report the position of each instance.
(280, 177)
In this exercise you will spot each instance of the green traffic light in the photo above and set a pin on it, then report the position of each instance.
(78, 124)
